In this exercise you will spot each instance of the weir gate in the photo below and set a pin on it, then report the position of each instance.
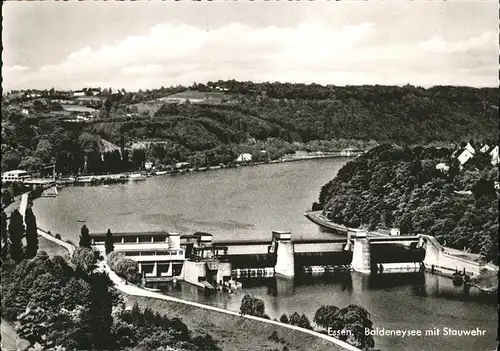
(284, 256)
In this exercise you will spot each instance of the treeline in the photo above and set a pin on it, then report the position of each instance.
(399, 187)
(292, 113)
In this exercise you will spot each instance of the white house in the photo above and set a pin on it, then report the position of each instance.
(395, 231)
(79, 93)
(470, 148)
(443, 167)
(484, 148)
(244, 158)
(464, 156)
(25, 111)
(494, 155)
(17, 175)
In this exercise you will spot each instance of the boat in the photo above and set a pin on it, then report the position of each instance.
(136, 177)
(52, 192)
(161, 172)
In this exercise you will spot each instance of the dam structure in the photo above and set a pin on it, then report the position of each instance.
(202, 261)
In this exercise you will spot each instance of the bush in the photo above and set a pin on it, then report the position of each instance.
(58, 236)
(124, 267)
(284, 319)
(84, 259)
(253, 306)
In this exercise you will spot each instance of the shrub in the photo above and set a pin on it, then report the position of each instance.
(125, 267)
(58, 236)
(84, 259)
(253, 306)
(284, 319)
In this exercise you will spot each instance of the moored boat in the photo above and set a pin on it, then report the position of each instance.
(136, 177)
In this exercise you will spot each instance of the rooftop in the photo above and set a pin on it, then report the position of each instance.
(16, 171)
(119, 234)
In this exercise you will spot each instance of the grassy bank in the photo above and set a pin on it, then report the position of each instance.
(233, 332)
(51, 248)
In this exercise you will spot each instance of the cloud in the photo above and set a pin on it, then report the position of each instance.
(176, 53)
(438, 45)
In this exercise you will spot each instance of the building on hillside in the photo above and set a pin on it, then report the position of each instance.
(484, 148)
(244, 158)
(394, 231)
(493, 152)
(17, 175)
(159, 254)
(463, 155)
(33, 95)
(182, 165)
(470, 148)
(79, 93)
(25, 111)
(443, 167)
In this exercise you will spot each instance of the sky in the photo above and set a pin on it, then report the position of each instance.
(145, 45)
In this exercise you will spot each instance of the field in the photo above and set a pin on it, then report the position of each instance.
(194, 97)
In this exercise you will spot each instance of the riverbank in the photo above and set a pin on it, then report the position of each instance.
(104, 179)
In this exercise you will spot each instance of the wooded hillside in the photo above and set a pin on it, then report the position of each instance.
(400, 187)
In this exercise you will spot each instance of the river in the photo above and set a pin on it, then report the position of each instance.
(250, 202)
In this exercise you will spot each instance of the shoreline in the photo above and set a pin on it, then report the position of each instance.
(100, 179)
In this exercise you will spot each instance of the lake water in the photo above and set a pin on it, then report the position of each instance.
(250, 202)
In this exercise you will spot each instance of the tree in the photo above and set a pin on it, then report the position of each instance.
(284, 319)
(84, 259)
(107, 105)
(31, 233)
(101, 304)
(252, 305)
(16, 232)
(5, 236)
(304, 322)
(84, 237)
(353, 320)
(108, 242)
(6, 197)
(483, 187)
(125, 267)
(325, 316)
(295, 319)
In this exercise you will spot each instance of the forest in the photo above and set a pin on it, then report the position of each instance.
(400, 187)
(277, 117)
